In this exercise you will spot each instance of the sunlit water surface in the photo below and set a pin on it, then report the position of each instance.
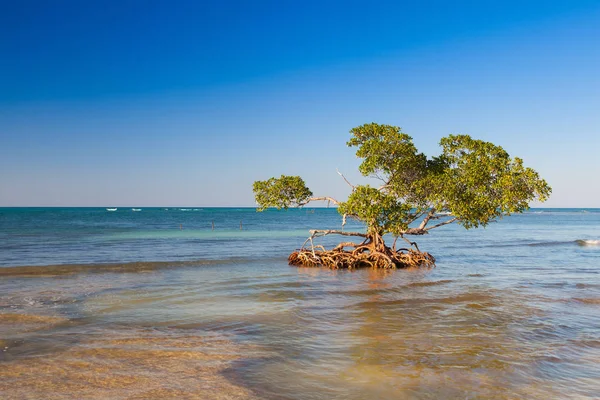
(512, 311)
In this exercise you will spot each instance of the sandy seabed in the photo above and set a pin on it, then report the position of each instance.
(119, 363)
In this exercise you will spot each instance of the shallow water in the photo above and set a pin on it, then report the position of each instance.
(512, 311)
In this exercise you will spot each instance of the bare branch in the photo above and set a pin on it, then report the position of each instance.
(325, 198)
(417, 215)
(324, 232)
(427, 218)
(415, 231)
(442, 224)
(340, 174)
(346, 244)
(312, 246)
(409, 242)
(381, 178)
(355, 217)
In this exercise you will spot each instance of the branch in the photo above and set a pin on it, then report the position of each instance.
(417, 215)
(346, 244)
(340, 174)
(385, 187)
(381, 178)
(427, 218)
(325, 198)
(442, 224)
(355, 217)
(324, 232)
(414, 231)
(407, 241)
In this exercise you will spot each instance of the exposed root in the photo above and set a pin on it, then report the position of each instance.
(371, 253)
(361, 257)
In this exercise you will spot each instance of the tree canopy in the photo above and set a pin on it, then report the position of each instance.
(471, 183)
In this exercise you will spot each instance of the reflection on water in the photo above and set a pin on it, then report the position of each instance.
(265, 330)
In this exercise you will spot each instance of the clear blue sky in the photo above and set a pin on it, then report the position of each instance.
(141, 103)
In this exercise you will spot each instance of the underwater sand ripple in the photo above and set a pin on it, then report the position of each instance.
(131, 365)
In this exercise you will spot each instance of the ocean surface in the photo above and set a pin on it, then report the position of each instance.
(199, 303)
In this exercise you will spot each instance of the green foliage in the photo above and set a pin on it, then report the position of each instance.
(481, 183)
(283, 192)
(382, 212)
(389, 154)
(476, 181)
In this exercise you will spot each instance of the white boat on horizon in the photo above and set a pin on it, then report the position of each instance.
(136, 209)
(111, 209)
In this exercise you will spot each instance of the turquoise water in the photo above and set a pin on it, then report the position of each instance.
(45, 236)
(510, 311)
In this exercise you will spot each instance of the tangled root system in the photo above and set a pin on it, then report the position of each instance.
(361, 258)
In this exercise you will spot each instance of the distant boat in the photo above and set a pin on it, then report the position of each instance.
(136, 209)
(111, 209)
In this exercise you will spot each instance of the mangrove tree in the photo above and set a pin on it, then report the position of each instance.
(470, 183)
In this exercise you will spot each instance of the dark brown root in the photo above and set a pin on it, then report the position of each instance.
(361, 257)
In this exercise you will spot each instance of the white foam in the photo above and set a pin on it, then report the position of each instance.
(588, 242)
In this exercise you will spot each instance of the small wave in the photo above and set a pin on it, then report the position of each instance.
(587, 285)
(548, 244)
(588, 242)
(521, 243)
(430, 283)
(135, 266)
(589, 342)
(459, 298)
(580, 242)
(587, 300)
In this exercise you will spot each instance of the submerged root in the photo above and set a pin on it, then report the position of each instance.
(362, 257)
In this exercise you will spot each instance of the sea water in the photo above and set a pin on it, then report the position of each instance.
(200, 303)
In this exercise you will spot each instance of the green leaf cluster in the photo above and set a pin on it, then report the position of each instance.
(390, 155)
(381, 211)
(283, 192)
(480, 182)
